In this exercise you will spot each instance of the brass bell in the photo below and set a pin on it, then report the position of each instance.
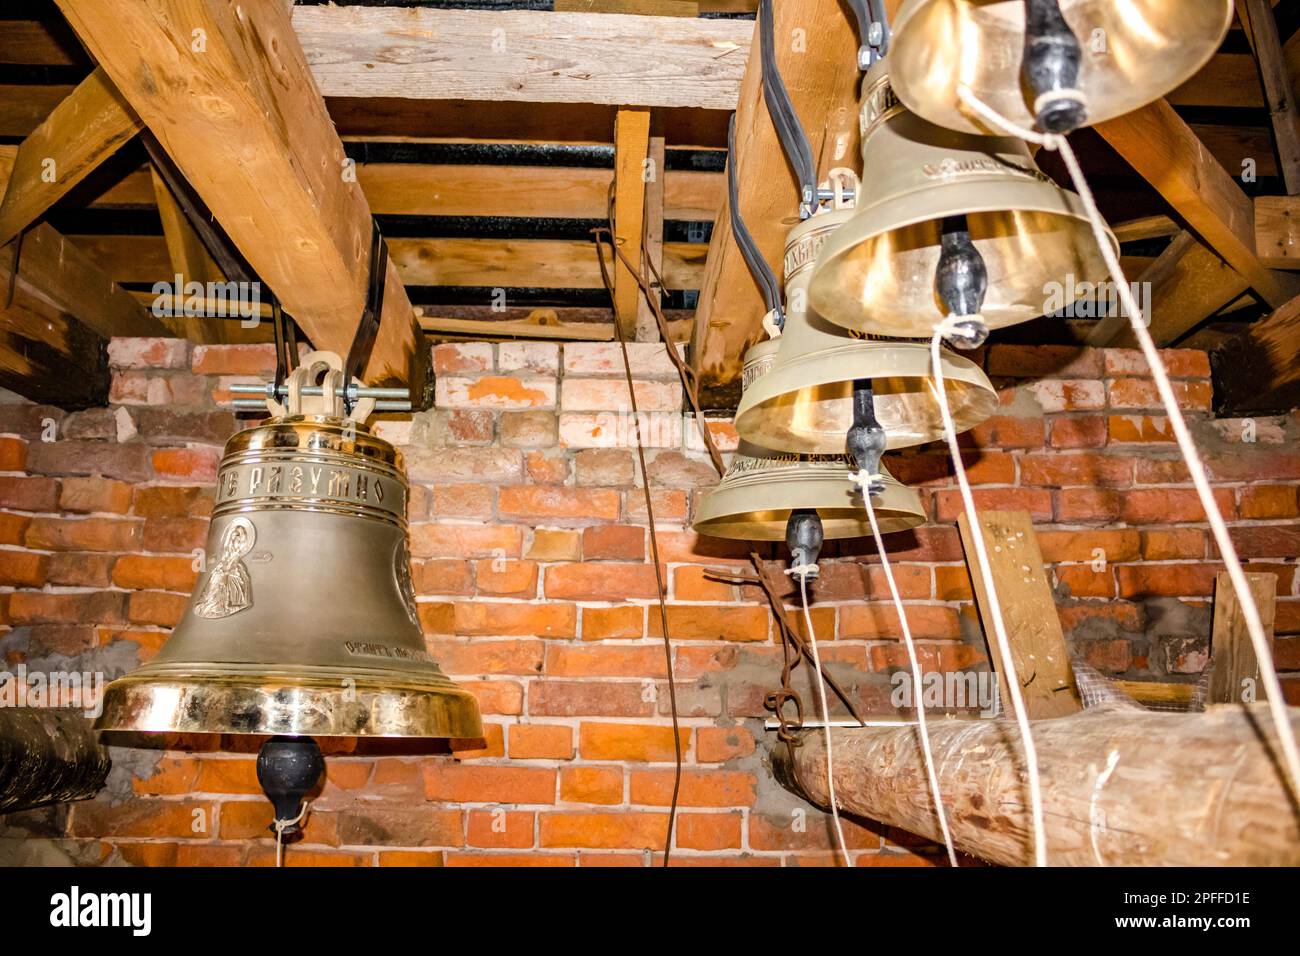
(304, 621)
(762, 489)
(932, 197)
(1080, 61)
(804, 402)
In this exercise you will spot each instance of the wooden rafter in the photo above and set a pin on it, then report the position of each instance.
(80, 133)
(229, 95)
(647, 329)
(631, 147)
(1164, 150)
(1257, 370)
(822, 79)
(1261, 30)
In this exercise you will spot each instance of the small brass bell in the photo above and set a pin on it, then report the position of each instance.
(1055, 64)
(949, 224)
(804, 401)
(304, 621)
(763, 489)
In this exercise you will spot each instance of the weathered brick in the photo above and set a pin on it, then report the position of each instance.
(541, 742)
(1038, 502)
(720, 744)
(453, 783)
(644, 831)
(465, 541)
(84, 534)
(600, 582)
(612, 623)
(1166, 580)
(503, 578)
(1172, 544)
(500, 828)
(1078, 432)
(529, 502)
(1087, 505)
(1139, 429)
(702, 622)
(648, 359)
(1142, 393)
(81, 569)
(1143, 506)
(156, 607)
(629, 742)
(450, 358)
(708, 831)
(1069, 395)
(169, 501)
(1109, 546)
(233, 360)
(40, 607)
(487, 619)
(596, 660)
(1270, 501)
(531, 429)
(23, 569)
(568, 698)
(95, 495)
(615, 430)
(146, 353)
(495, 391)
(700, 788)
(554, 544)
(129, 462)
(1179, 363)
(582, 784)
(437, 465)
(880, 622)
(1076, 468)
(598, 395)
(151, 572)
(29, 494)
(613, 543)
(539, 357)
(195, 463)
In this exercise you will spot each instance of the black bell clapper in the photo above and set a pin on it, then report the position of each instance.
(288, 768)
(961, 280)
(804, 536)
(1051, 65)
(866, 439)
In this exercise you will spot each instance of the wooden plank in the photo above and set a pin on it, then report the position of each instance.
(418, 189)
(1228, 80)
(1262, 28)
(52, 360)
(57, 276)
(248, 129)
(189, 261)
(1042, 659)
(823, 80)
(491, 263)
(523, 56)
(1234, 669)
(650, 8)
(647, 327)
(39, 42)
(631, 144)
(82, 131)
(584, 332)
(1188, 283)
(1161, 147)
(1277, 231)
(23, 107)
(1257, 371)
(1157, 692)
(1148, 227)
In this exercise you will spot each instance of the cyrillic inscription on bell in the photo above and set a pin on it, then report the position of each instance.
(304, 621)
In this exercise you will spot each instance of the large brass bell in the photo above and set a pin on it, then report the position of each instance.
(762, 488)
(804, 402)
(922, 187)
(303, 622)
(1101, 58)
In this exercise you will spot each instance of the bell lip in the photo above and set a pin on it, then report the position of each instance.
(836, 499)
(927, 205)
(201, 703)
(955, 118)
(826, 367)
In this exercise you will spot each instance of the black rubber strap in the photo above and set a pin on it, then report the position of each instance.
(758, 267)
(779, 106)
(368, 327)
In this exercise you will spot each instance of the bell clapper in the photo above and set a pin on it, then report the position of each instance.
(865, 440)
(804, 536)
(961, 279)
(288, 768)
(1051, 66)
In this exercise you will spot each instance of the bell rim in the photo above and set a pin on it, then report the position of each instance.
(795, 375)
(955, 118)
(190, 700)
(898, 507)
(903, 210)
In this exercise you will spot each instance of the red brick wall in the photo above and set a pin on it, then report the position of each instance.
(528, 531)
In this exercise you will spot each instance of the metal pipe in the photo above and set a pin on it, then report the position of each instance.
(365, 391)
(258, 404)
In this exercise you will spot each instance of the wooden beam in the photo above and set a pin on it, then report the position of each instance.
(1148, 227)
(631, 145)
(39, 42)
(822, 78)
(1122, 786)
(1187, 284)
(1161, 147)
(1257, 371)
(434, 189)
(190, 262)
(1234, 669)
(1277, 231)
(523, 56)
(245, 124)
(647, 328)
(491, 263)
(1042, 659)
(1260, 25)
(81, 132)
(57, 277)
(1228, 80)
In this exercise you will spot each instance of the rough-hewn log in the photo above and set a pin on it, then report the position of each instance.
(1121, 786)
(1257, 370)
(48, 756)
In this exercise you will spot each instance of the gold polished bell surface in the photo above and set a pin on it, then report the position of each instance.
(304, 620)
(804, 401)
(877, 274)
(761, 488)
(1133, 52)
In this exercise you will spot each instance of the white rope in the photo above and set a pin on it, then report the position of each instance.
(801, 572)
(280, 827)
(1186, 444)
(917, 692)
(994, 605)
